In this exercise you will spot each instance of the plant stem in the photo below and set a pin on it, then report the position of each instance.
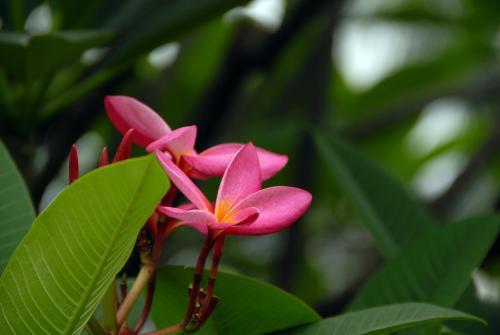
(198, 273)
(210, 301)
(123, 288)
(216, 257)
(145, 273)
(147, 305)
(94, 327)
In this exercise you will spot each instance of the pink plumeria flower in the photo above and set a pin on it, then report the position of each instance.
(153, 133)
(242, 207)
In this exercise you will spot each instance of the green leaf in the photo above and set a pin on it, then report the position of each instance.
(166, 20)
(48, 53)
(392, 215)
(62, 268)
(381, 320)
(436, 76)
(435, 268)
(13, 52)
(16, 209)
(246, 307)
(32, 57)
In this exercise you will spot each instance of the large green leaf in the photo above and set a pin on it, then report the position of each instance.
(16, 209)
(61, 269)
(392, 215)
(246, 307)
(381, 320)
(435, 268)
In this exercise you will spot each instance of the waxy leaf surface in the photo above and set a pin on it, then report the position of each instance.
(62, 268)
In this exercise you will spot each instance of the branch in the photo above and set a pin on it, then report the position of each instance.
(314, 86)
(244, 56)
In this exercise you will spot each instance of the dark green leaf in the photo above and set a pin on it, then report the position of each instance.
(165, 20)
(381, 320)
(435, 268)
(393, 217)
(16, 209)
(246, 307)
(32, 57)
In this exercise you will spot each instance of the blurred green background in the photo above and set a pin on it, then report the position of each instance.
(414, 84)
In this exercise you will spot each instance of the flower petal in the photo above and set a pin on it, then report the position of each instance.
(125, 148)
(198, 219)
(213, 161)
(183, 183)
(245, 216)
(127, 112)
(278, 207)
(242, 178)
(178, 142)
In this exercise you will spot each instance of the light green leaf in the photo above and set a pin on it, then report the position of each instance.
(246, 307)
(435, 268)
(381, 320)
(392, 215)
(62, 268)
(16, 209)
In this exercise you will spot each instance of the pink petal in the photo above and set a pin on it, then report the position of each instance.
(188, 216)
(126, 112)
(242, 178)
(125, 148)
(278, 207)
(213, 161)
(198, 219)
(183, 183)
(178, 142)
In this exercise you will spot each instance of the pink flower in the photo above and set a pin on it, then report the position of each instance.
(153, 133)
(242, 207)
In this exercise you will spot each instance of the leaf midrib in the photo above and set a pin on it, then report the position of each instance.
(76, 315)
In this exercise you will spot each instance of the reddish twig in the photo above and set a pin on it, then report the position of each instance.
(73, 164)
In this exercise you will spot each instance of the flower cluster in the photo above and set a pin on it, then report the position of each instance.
(242, 206)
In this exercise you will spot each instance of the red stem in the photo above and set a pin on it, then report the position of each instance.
(210, 301)
(198, 273)
(123, 288)
(73, 164)
(161, 234)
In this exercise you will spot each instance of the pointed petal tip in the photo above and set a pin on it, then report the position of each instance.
(178, 142)
(103, 157)
(241, 178)
(127, 112)
(125, 148)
